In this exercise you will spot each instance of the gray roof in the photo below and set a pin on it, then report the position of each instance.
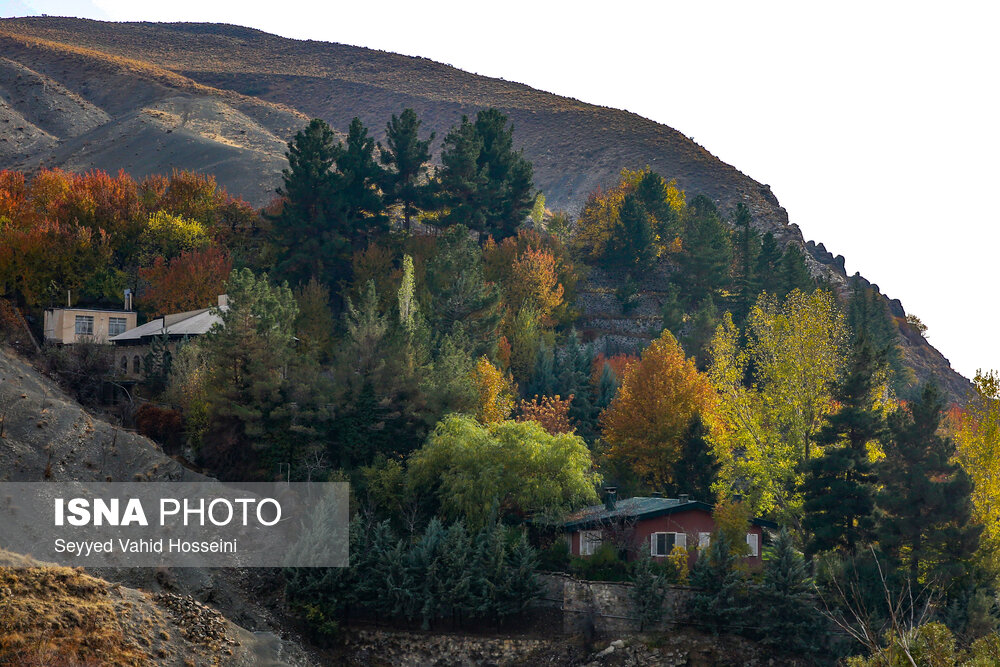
(197, 323)
(640, 507)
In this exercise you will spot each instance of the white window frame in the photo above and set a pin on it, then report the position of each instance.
(590, 542)
(88, 321)
(114, 323)
(704, 541)
(680, 540)
(753, 541)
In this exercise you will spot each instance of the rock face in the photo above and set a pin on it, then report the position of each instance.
(48, 436)
(148, 97)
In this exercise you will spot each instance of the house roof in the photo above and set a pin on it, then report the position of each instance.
(194, 323)
(638, 508)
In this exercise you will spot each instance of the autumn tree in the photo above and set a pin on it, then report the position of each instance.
(550, 412)
(648, 420)
(977, 436)
(406, 156)
(496, 392)
(775, 391)
(190, 281)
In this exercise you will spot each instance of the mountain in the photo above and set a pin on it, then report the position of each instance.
(148, 97)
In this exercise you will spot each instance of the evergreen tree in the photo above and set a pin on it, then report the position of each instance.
(362, 211)
(839, 490)
(156, 363)
(607, 387)
(696, 469)
(868, 316)
(648, 592)
(793, 272)
(573, 369)
(924, 507)
(697, 338)
(543, 378)
(460, 293)
(746, 250)
(721, 599)
(792, 622)
(406, 156)
(485, 183)
(672, 311)
(651, 191)
(307, 235)
(519, 585)
(768, 265)
(706, 255)
(631, 245)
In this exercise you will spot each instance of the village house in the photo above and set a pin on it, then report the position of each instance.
(68, 326)
(134, 344)
(654, 524)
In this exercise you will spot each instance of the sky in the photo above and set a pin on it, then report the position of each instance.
(874, 123)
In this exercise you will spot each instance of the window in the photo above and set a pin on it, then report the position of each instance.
(124, 364)
(753, 543)
(661, 544)
(590, 541)
(116, 325)
(704, 540)
(84, 325)
(135, 364)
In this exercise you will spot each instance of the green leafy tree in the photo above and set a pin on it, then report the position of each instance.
(406, 156)
(486, 184)
(924, 505)
(471, 466)
(840, 487)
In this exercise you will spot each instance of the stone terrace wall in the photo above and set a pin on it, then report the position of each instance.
(603, 607)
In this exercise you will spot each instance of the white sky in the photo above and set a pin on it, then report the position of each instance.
(876, 124)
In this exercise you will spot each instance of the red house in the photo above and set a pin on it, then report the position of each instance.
(655, 523)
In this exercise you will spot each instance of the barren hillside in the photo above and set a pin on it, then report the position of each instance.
(149, 97)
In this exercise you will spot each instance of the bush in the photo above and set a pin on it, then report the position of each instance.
(603, 565)
(555, 558)
(163, 425)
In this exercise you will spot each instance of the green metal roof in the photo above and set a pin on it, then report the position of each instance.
(640, 507)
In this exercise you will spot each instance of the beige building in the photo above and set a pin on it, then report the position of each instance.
(77, 325)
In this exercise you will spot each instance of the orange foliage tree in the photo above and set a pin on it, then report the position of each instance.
(190, 281)
(550, 412)
(619, 364)
(534, 271)
(646, 423)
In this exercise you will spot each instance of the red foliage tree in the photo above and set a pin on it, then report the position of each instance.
(190, 281)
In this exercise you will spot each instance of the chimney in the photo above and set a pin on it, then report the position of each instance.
(223, 301)
(684, 498)
(610, 496)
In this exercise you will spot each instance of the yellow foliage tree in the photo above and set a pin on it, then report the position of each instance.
(659, 396)
(766, 431)
(495, 390)
(977, 440)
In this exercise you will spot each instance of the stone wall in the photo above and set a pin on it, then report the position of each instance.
(603, 607)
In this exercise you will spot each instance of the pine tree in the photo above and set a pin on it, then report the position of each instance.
(924, 507)
(793, 272)
(307, 234)
(486, 184)
(746, 248)
(543, 378)
(768, 265)
(573, 369)
(868, 315)
(721, 600)
(357, 195)
(695, 472)
(648, 592)
(631, 245)
(792, 622)
(607, 387)
(460, 293)
(407, 157)
(839, 490)
(519, 585)
(706, 255)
